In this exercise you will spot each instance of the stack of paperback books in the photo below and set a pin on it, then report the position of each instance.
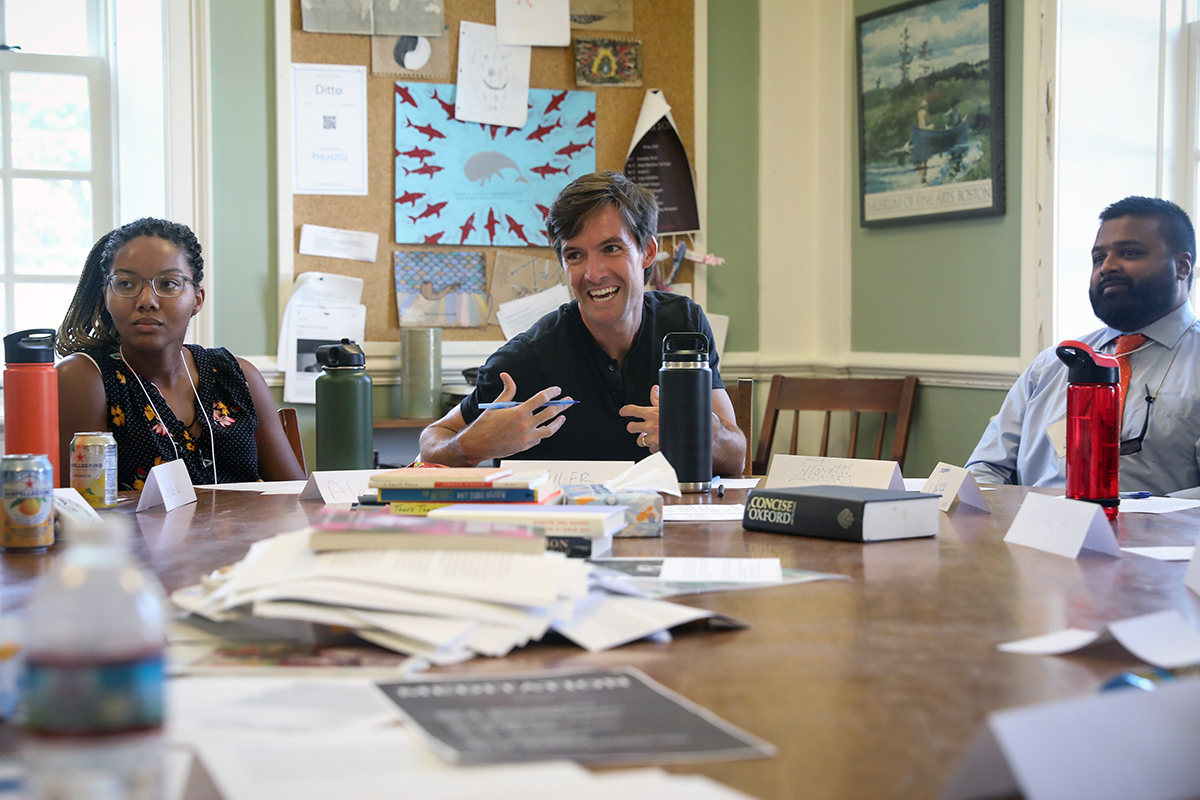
(528, 499)
(418, 490)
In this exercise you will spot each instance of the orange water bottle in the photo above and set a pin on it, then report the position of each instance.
(31, 395)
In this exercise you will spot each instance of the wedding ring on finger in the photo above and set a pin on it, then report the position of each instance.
(642, 441)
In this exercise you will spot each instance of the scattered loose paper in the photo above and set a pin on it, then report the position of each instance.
(1163, 639)
(493, 78)
(1162, 553)
(604, 621)
(1156, 505)
(517, 316)
(737, 483)
(317, 240)
(329, 129)
(1051, 644)
(1063, 527)
(722, 570)
(716, 512)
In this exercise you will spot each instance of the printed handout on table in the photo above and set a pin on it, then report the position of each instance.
(329, 129)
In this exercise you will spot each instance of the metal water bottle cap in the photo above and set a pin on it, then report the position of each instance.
(34, 346)
(346, 355)
(685, 350)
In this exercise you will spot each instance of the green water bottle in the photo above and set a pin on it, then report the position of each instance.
(344, 411)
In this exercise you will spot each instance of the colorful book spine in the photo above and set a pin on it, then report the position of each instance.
(458, 495)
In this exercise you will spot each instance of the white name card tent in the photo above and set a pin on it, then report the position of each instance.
(787, 470)
(338, 485)
(167, 485)
(1104, 746)
(1062, 527)
(955, 483)
(571, 473)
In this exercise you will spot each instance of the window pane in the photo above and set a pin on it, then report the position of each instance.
(57, 27)
(40, 305)
(51, 121)
(52, 226)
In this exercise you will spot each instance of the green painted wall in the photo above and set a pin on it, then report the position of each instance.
(733, 46)
(951, 287)
(243, 251)
(947, 427)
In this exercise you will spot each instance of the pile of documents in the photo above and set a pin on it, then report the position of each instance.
(442, 606)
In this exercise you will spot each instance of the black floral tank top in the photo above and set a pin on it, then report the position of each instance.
(148, 434)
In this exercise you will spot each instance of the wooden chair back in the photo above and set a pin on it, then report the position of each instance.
(856, 395)
(741, 395)
(291, 427)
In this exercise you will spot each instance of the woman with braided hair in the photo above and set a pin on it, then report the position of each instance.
(128, 371)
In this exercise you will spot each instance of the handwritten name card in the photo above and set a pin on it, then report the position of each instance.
(788, 470)
(338, 485)
(571, 473)
(955, 483)
(167, 485)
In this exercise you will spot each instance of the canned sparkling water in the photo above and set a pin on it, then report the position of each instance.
(94, 468)
(26, 521)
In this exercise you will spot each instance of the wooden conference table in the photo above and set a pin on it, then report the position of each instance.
(870, 687)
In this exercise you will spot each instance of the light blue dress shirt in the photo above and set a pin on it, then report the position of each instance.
(1016, 449)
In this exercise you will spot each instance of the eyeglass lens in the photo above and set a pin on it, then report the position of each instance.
(132, 285)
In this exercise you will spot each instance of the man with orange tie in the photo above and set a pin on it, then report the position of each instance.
(1141, 273)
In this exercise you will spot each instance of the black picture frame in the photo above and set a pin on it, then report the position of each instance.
(931, 112)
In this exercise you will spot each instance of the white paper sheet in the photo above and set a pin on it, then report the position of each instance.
(603, 621)
(338, 485)
(329, 129)
(310, 327)
(517, 316)
(317, 240)
(731, 512)
(546, 23)
(493, 78)
(953, 483)
(1051, 644)
(721, 570)
(1156, 505)
(1164, 639)
(313, 289)
(1162, 553)
(737, 483)
(652, 472)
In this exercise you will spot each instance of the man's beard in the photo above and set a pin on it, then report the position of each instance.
(1144, 300)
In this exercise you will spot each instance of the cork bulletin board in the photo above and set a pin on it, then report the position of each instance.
(666, 30)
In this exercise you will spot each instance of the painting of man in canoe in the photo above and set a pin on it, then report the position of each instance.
(931, 111)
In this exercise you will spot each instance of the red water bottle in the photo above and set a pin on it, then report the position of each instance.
(31, 395)
(1093, 425)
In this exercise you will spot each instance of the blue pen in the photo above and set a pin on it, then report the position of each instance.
(1136, 495)
(514, 404)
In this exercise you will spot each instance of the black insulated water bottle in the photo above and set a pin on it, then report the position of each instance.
(685, 409)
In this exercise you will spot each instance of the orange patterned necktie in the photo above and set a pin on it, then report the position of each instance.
(1126, 344)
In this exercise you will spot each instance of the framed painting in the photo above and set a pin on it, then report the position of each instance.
(931, 112)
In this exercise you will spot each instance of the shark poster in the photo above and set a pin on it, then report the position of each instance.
(467, 183)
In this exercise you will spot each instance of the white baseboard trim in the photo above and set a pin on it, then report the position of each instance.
(955, 371)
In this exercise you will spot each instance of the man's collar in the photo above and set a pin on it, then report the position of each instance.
(1167, 330)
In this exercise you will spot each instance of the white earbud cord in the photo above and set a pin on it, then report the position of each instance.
(200, 403)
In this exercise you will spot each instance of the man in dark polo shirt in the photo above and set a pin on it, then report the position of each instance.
(602, 349)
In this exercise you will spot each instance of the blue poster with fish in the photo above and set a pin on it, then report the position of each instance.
(470, 183)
